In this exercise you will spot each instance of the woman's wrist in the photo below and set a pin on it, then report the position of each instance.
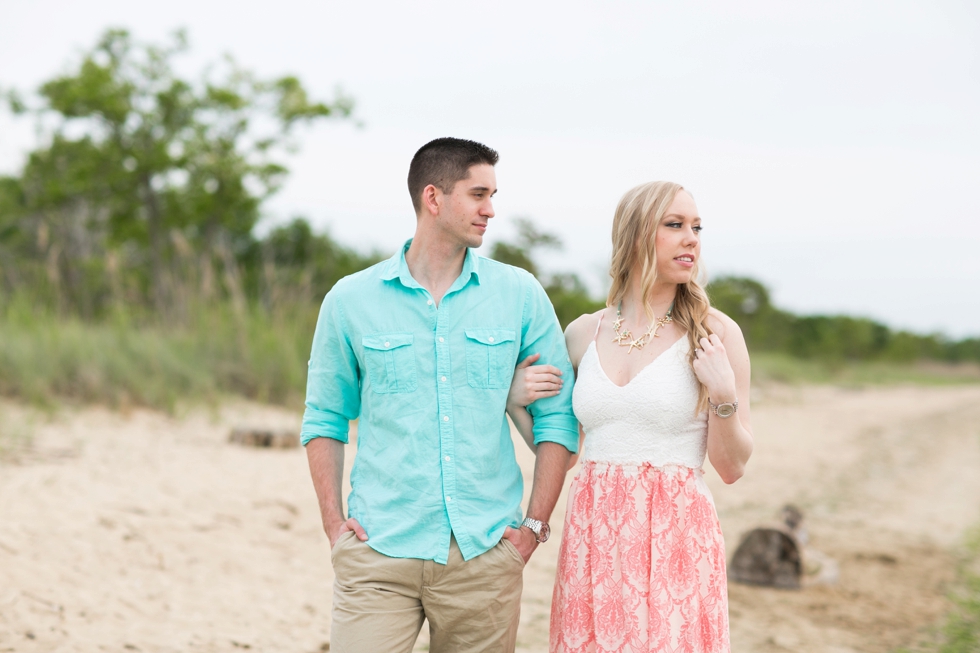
(513, 407)
(723, 396)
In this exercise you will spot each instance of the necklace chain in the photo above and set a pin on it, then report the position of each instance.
(626, 339)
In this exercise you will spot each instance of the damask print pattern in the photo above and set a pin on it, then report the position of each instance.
(641, 565)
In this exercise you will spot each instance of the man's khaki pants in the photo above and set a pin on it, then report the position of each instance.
(379, 603)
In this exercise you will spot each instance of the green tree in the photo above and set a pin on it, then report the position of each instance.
(294, 263)
(748, 303)
(147, 181)
(566, 291)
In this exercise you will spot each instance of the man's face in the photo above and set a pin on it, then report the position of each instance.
(465, 211)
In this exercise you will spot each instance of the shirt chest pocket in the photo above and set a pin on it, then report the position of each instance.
(489, 358)
(390, 362)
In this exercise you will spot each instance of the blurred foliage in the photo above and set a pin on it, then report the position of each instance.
(960, 632)
(568, 294)
(131, 271)
(262, 355)
(829, 338)
(146, 187)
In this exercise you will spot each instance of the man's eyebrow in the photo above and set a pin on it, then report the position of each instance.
(482, 189)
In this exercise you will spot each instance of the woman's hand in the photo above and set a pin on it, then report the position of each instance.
(714, 370)
(533, 382)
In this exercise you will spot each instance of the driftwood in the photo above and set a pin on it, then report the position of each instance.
(271, 438)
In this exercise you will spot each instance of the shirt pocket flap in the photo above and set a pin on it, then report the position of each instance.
(490, 336)
(387, 341)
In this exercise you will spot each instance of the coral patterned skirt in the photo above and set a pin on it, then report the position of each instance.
(641, 565)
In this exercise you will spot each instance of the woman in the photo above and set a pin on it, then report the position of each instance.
(661, 379)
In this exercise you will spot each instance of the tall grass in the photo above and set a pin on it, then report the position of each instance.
(127, 360)
(783, 368)
(960, 632)
(222, 348)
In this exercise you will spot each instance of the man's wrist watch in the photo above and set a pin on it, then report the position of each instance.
(540, 529)
(724, 410)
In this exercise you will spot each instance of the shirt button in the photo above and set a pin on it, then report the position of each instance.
(448, 499)
(490, 338)
(445, 418)
(447, 459)
(443, 379)
(387, 344)
(429, 302)
(441, 339)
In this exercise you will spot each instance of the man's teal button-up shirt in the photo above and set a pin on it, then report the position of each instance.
(428, 386)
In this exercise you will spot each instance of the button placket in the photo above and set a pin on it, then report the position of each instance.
(445, 408)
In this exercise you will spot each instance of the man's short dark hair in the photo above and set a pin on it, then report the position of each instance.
(443, 162)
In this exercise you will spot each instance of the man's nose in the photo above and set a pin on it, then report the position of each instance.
(488, 209)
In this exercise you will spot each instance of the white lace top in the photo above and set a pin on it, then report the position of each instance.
(649, 420)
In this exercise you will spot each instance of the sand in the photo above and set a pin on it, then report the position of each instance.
(145, 532)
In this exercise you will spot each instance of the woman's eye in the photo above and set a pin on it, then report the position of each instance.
(673, 224)
(698, 228)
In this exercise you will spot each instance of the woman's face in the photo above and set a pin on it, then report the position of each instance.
(678, 240)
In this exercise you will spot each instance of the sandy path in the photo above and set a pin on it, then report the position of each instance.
(141, 532)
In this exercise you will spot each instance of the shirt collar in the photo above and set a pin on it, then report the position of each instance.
(397, 268)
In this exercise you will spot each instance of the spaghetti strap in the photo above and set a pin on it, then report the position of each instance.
(595, 336)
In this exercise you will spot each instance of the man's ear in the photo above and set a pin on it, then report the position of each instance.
(432, 199)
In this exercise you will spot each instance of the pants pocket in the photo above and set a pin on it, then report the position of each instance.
(512, 551)
(339, 544)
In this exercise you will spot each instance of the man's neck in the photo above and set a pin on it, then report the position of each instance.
(434, 264)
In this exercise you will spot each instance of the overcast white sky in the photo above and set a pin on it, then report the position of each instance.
(833, 149)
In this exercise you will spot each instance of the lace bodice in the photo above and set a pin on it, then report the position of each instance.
(651, 419)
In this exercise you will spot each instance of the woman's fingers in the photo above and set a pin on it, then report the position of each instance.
(544, 369)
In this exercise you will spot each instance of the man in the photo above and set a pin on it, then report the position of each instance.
(421, 349)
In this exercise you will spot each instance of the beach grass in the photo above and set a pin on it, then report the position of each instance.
(121, 361)
(960, 631)
(768, 367)
(215, 350)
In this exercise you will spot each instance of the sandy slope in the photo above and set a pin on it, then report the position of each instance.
(141, 532)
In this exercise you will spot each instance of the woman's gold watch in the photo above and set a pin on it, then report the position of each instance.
(724, 410)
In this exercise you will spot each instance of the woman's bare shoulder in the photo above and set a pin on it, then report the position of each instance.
(722, 325)
(579, 333)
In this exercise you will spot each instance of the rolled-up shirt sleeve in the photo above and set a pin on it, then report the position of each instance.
(333, 396)
(554, 420)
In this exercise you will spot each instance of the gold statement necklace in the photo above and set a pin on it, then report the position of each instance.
(626, 339)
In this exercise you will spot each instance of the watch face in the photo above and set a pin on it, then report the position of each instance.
(725, 410)
(545, 533)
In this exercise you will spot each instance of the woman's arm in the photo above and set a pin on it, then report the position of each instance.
(530, 383)
(722, 365)
(533, 382)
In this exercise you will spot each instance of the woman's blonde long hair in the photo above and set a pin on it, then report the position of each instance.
(634, 240)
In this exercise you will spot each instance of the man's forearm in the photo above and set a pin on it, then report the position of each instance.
(326, 458)
(550, 466)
